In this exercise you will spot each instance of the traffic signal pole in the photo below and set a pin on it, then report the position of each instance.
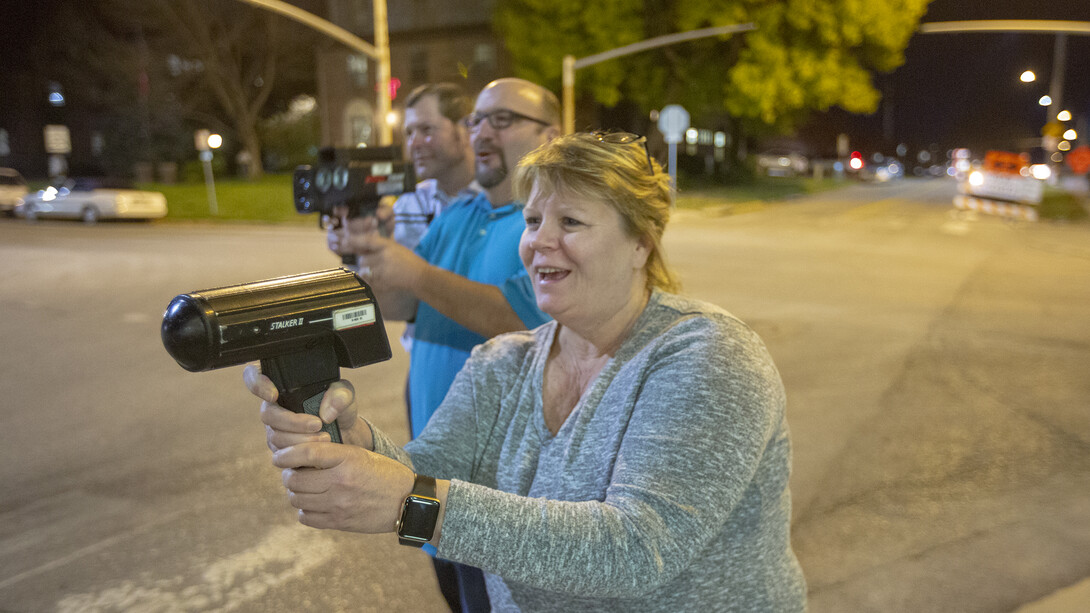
(570, 64)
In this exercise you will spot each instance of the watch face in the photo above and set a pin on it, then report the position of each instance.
(418, 518)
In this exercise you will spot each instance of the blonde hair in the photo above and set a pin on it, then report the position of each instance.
(612, 168)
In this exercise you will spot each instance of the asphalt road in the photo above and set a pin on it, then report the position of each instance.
(935, 367)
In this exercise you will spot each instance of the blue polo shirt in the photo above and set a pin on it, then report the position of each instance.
(480, 243)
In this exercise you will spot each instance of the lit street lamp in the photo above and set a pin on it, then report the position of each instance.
(205, 142)
(1028, 77)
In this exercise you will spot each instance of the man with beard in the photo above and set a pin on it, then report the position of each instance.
(464, 283)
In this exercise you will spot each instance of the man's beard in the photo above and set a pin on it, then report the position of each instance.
(491, 177)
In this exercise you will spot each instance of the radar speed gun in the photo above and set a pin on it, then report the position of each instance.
(302, 328)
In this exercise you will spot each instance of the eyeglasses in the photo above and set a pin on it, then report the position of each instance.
(626, 138)
(499, 119)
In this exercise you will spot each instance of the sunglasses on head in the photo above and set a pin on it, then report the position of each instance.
(626, 138)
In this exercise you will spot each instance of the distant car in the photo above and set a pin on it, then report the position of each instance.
(882, 169)
(92, 199)
(12, 189)
(782, 163)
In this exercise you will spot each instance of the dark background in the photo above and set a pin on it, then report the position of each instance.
(962, 90)
(954, 90)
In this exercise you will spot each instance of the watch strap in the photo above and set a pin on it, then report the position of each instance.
(419, 514)
(424, 485)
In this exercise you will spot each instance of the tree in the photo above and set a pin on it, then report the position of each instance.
(804, 56)
(242, 51)
(225, 64)
(103, 72)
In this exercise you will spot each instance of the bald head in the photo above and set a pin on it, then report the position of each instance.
(532, 97)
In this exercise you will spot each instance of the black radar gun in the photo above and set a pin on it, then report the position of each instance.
(302, 328)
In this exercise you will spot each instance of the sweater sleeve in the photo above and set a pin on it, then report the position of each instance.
(462, 438)
(700, 404)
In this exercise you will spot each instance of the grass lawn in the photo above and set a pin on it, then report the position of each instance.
(1058, 204)
(269, 200)
(266, 200)
(751, 193)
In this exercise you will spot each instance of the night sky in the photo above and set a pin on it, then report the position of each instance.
(954, 89)
(963, 89)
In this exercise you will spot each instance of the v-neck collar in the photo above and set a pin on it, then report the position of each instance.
(606, 372)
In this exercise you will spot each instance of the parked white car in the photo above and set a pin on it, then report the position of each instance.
(92, 199)
(12, 189)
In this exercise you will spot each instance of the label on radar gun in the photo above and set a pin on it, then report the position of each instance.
(356, 316)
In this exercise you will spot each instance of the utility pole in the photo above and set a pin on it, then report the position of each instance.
(1056, 83)
(570, 64)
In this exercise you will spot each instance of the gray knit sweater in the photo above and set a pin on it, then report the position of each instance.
(664, 490)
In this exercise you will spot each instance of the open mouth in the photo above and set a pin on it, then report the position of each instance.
(548, 274)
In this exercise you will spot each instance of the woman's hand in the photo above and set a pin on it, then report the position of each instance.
(343, 487)
(284, 428)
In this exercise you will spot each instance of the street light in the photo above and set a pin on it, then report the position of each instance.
(1028, 77)
(1045, 100)
(1063, 116)
(1071, 135)
(205, 142)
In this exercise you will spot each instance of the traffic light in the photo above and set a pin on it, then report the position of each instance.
(856, 161)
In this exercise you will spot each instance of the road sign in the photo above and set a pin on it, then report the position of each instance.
(57, 140)
(673, 121)
(1079, 160)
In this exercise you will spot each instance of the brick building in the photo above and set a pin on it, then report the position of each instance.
(430, 41)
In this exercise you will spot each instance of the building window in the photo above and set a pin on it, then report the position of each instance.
(485, 55)
(357, 69)
(418, 66)
(359, 122)
(360, 128)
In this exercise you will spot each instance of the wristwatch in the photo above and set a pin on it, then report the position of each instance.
(418, 516)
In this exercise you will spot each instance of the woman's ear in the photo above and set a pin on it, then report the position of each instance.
(644, 246)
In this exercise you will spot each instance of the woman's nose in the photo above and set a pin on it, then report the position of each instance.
(545, 237)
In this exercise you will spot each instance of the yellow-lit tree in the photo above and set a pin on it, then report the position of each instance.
(804, 56)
